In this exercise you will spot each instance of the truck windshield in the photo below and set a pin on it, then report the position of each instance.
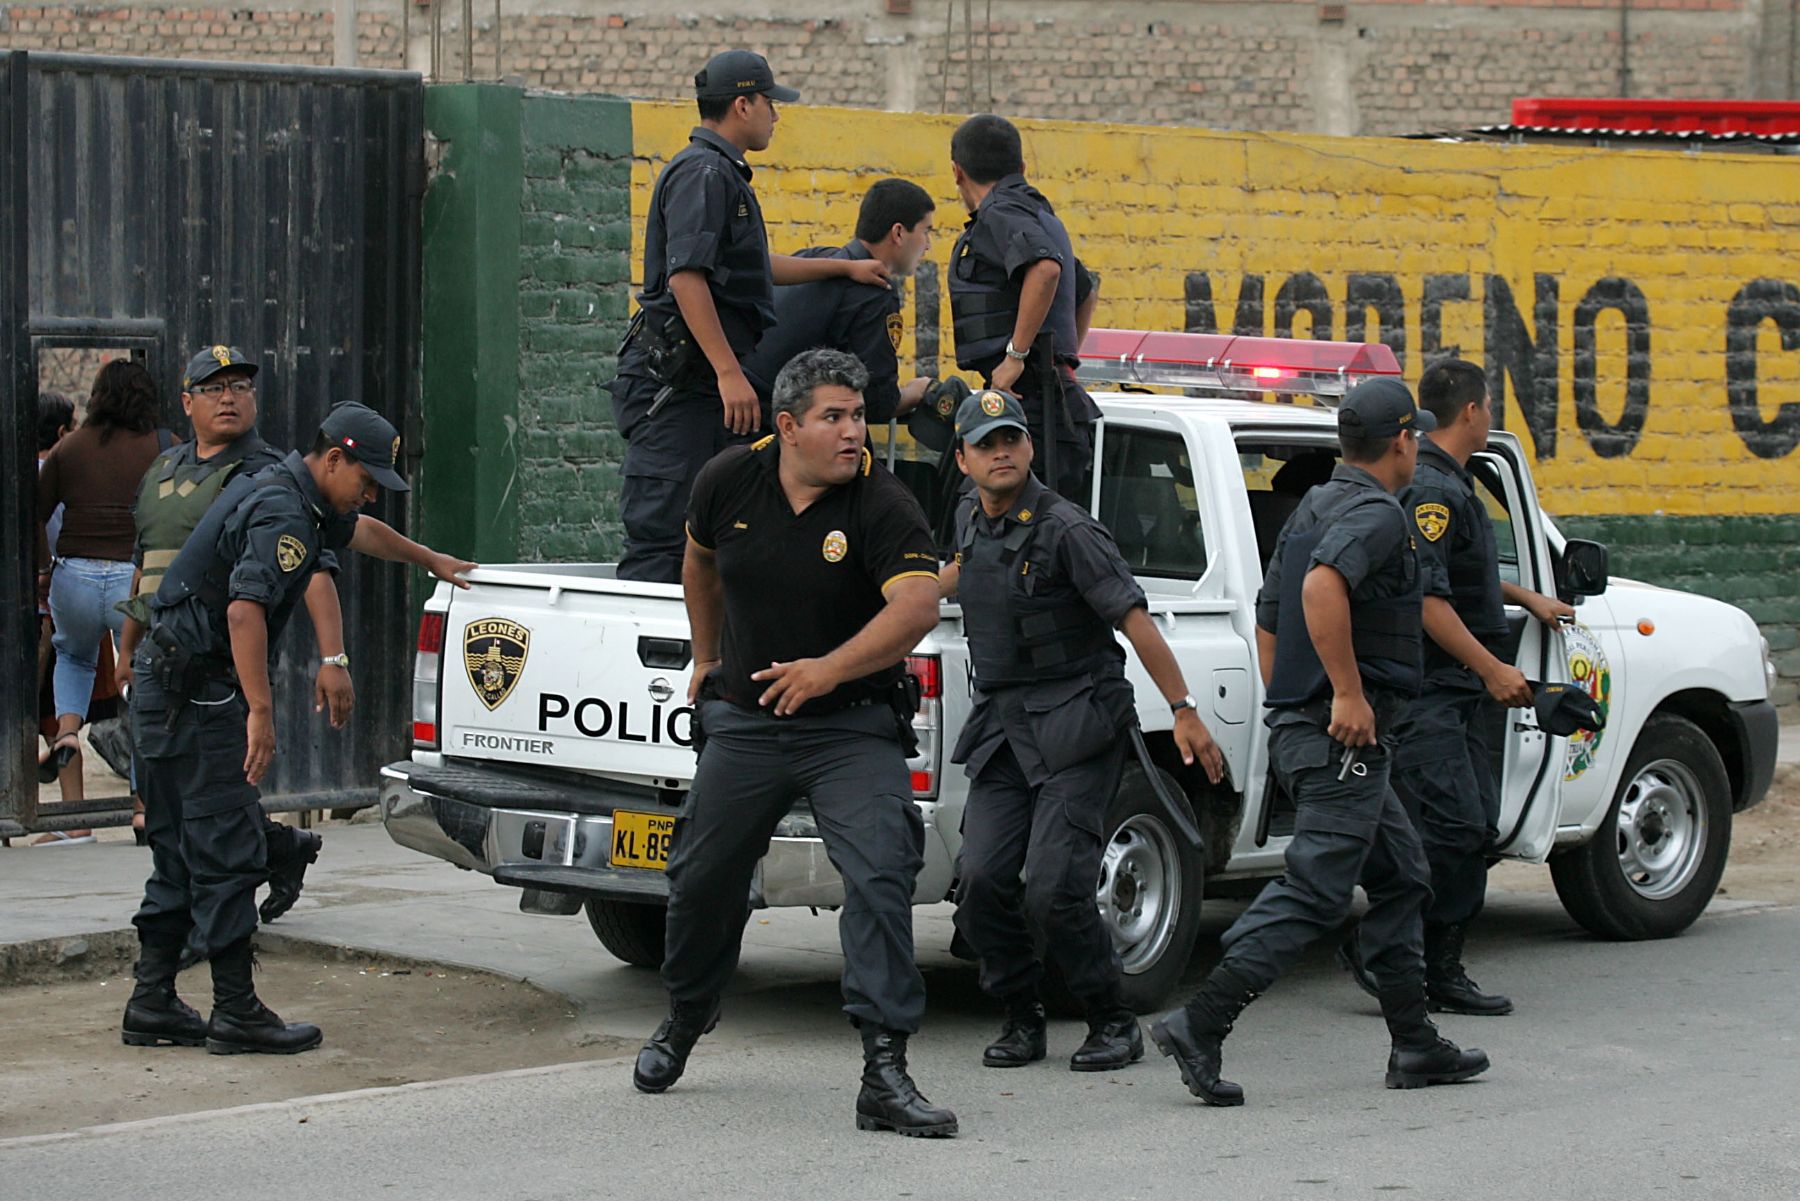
(1148, 501)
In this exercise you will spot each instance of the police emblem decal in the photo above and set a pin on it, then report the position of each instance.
(494, 655)
(1433, 521)
(993, 404)
(394, 451)
(836, 547)
(946, 405)
(223, 354)
(290, 552)
(895, 327)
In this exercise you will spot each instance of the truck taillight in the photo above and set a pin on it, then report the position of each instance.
(927, 723)
(426, 669)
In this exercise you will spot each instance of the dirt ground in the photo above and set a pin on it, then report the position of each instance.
(63, 1067)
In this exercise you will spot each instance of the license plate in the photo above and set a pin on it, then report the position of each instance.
(641, 839)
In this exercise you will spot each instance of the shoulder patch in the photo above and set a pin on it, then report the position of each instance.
(1433, 520)
(290, 552)
(896, 326)
(762, 441)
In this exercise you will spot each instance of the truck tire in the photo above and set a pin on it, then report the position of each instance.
(1654, 864)
(1149, 892)
(632, 931)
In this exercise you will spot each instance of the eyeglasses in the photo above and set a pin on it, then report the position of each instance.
(240, 387)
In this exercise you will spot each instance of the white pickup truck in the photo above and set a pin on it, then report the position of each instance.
(552, 744)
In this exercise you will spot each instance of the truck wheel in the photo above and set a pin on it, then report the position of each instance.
(1654, 864)
(1149, 890)
(633, 932)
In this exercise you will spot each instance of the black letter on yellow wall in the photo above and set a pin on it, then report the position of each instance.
(1511, 352)
(1379, 291)
(1758, 301)
(1608, 440)
(1303, 292)
(1440, 290)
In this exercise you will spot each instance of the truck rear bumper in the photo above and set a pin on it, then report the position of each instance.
(560, 851)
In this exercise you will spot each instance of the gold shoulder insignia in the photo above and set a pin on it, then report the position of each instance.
(290, 552)
(868, 462)
(1433, 521)
(762, 441)
(896, 326)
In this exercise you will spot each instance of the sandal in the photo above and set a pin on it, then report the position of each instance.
(57, 838)
(65, 748)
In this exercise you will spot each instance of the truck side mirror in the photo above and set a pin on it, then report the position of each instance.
(1584, 570)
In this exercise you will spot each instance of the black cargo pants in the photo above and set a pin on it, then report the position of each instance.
(850, 768)
(1345, 833)
(203, 820)
(1444, 775)
(663, 454)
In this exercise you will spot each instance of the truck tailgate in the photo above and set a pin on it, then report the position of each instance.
(561, 669)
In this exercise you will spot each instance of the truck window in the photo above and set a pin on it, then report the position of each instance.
(1505, 536)
(1147, 500)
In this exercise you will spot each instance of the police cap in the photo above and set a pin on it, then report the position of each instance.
(739, 73)
(1562, 709)
(366, 436)
(211, 361)
(986, 411)
(1381, 408)
(930, 421)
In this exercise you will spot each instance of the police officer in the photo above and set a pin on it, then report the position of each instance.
(218, 393)
(1443, 771)
(810, 574)
(203, 718)
(1013, 276)
(681, 395)
(893, 227)
(1043, 587)
(1338, 639)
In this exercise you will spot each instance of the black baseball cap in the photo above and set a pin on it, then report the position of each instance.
(1563, 709)
(986, 411)
(211, 361)
(930, 422)
(367, 437)
(1381, 408)
(739, 73)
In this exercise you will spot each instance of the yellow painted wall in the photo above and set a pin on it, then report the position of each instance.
(1148, 206)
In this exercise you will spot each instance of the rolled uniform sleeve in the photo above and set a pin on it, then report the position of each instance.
(873, 337)
(1091, 562)
(696, 211)
(1085, 283)
(1361, 540)
(896, 539)
(278, 549)
(1023, 241)
(1433, 509)
(702, 502)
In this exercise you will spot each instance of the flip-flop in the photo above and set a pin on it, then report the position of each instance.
(59, 839)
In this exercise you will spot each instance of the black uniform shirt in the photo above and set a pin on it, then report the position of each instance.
(1364, 545)
(1014, 227)
(1457, 554)
(1072, 554)
(843, 315)
(704, 217)
(798, 586)
(262, 546)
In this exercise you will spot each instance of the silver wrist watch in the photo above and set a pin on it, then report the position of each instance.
(1186, 702)
(1011, 353)
(338, 660)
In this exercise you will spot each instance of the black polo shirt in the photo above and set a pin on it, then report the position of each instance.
(800, 585)
(843, 315)
(704, 217)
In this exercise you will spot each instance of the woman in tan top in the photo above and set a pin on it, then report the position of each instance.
(93, 473)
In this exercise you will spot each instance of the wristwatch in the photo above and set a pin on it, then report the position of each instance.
(338, 660)
(1186, 702)
(1013, 353)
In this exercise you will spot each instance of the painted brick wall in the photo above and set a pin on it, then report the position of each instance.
(1638, 311)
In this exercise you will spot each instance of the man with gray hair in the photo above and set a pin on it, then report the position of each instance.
(809, 574)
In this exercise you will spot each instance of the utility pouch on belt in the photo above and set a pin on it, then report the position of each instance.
(672, 358)
(904, 697)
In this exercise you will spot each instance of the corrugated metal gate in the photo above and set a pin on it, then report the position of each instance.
(154, 207)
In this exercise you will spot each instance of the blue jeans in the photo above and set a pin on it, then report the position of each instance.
(84, 594)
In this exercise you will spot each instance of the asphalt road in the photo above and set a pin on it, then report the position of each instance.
(1632, 1070)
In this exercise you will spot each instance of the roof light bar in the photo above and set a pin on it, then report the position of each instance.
(1230, 363)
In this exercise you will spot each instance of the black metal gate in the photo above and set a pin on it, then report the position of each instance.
(153, 207)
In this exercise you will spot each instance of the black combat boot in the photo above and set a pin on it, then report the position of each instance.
(1021, 1039)
(665, 1056)
(1420, 1055)
(1349, 957)
(1448, 988)
(1194, 1036)
(889, 1100)
(241, 1023)
(288, 875)
(155, 1015)
(1114, 1037)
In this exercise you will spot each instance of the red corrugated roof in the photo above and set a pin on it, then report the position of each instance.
(1658, 116)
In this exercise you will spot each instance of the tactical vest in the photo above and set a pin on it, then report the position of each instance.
(176, 493)
(984, 307)
(198, 570)
(1384, 631)
(1015, 638)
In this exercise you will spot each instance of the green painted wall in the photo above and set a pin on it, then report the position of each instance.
(1751, 562)
(526, 279)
